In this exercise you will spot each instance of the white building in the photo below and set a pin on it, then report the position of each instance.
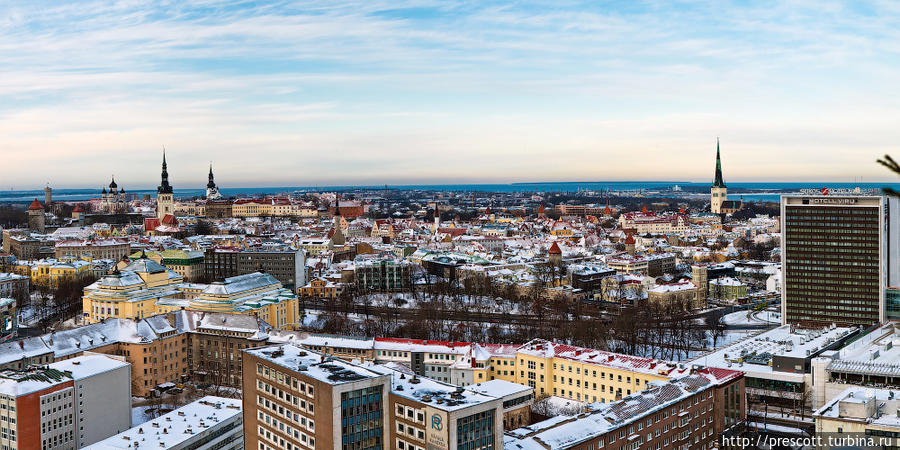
(102, 395)
(209, 423)
(65, 405)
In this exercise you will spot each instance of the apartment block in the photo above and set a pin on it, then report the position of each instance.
(295, 398)
(65, 405)
(690, 411)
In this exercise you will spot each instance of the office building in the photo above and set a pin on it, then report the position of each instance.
(304, 399)
(834, 254)
(425, 413)
(782, 369)
(382, 275)
(288, 266)
(296, 398)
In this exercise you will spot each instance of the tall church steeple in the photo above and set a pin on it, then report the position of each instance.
(165, 200)
(212, 192)
(211, 184)
(164, 187)
(718, 193)
(718, 182)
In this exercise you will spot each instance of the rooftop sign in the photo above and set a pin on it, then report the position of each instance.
(840, 191)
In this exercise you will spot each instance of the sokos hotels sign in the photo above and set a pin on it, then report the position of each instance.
(839, 191)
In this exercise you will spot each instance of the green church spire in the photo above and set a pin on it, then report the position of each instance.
(718, 182)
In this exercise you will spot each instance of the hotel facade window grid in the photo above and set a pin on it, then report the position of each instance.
(476, 432)
(362, 419)
(831, 259)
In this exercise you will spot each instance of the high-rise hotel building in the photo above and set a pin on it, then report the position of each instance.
(839, 252)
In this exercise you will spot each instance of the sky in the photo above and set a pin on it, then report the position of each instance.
(417, 91)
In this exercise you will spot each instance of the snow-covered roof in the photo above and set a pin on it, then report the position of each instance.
(877, 353)
(203, 417)
(21, 382)
(754, 354)
(500, 388)
(315, 365)
(674, 287)
(420, 345)
(567, 431)
(438, 395)
(546, 349)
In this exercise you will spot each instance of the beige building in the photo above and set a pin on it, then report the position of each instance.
(727, 288)
(683, 293)
(861, 412)
(338, 404)
(113, 249)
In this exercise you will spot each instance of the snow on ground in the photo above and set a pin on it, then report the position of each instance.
(767, 317)
(763, 427)
(557, 406)
(27, 316)
(140, 415)
(730, 337)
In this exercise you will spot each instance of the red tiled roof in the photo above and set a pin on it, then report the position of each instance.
(151, 224)
(554, 249)
(452, 231)
(721, 375)
(35, 205)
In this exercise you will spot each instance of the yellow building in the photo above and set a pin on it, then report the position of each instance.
(145, 288)
(583, 374)
(131, 293)
(562, 228)
(321, 288)
(190, 208)
(49, 272)
(575, 373)
(257, 294)
(261, 207)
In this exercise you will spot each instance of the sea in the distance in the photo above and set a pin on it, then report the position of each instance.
(751, 191)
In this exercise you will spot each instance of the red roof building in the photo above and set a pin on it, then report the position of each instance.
(554, 249)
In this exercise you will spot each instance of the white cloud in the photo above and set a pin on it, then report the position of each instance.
(345, 92)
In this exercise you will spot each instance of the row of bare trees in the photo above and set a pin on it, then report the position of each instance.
(458, 310)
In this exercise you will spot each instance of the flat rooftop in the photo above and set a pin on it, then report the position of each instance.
(499, 388)
(314, 365)
(754, 354)
(175, 427)
(442, 396)
(877, 353)
(872, 407)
